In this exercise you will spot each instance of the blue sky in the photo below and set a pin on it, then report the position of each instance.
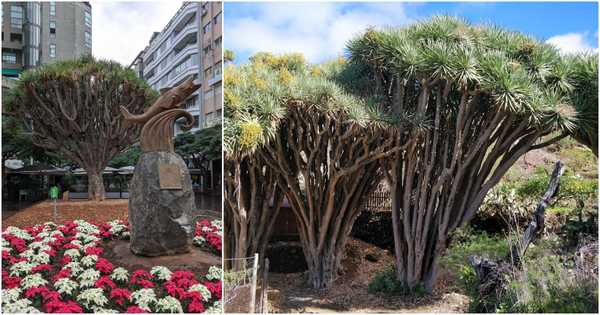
(321, 29)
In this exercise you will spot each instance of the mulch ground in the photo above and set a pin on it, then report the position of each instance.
(289, 292)
(41, 212)
(93, 211)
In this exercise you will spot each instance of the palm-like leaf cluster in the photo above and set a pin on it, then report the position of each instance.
(520, 74)
(257, 96)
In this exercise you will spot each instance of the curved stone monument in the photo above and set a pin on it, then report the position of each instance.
(160, 193)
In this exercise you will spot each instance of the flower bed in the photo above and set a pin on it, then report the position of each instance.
(59, 269)
(209, 235)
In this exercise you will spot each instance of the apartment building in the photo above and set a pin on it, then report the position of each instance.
(189, 45)
(36, 33)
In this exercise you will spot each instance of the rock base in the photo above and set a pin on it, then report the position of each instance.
(159, 218)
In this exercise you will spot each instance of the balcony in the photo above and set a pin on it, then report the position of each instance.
(214, 79)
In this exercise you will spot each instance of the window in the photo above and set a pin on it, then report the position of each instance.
(208, 94)
(208, 73)
(191, 102)
(217, 18)
(207, 28)
(16, 16)
(218, 68)
(52, 8)
(88, 39)
(52, 27)
(88, 19)
(52, 50)
(16, 37)
(9, 57)
(218, 42)
(196, 121)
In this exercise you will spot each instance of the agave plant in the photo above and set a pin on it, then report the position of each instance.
(488, 96)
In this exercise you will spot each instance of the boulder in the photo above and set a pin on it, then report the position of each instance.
(160, 202)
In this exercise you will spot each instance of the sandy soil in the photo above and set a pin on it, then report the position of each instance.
(288, 293)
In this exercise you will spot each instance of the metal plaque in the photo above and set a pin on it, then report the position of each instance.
(169, 176)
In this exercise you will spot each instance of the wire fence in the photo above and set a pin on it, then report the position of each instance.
(380, 200)
(245, 285)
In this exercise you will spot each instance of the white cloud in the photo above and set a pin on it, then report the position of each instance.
(571, 43)
(320, 30)
(121, 30)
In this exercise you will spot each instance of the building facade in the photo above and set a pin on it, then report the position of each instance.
(188, 46)
(36, 33)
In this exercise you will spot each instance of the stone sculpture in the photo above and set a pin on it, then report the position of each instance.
(160, 194)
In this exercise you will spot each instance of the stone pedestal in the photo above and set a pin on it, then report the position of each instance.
(160, 201)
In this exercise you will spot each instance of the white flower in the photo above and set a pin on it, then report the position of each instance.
(89, 260)
(21, 268)
(88, 278)
(169, 304)
(119, 274)
(6, 244)
(40, 258)
(143, 298)
(20, 306)
(214, 273)
(125, 235)
(76, 243)
(202, 289)
(161, 272)
(92, 297)
(10, 295)
(19, 233)
(216, 308)
(116, 227)
(199, 240)
(75, 267)
(101, 310)
(34, 280)
(73, 253)
(85, 227)
(65, 285)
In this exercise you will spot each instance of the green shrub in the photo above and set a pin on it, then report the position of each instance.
(385, 283)
(482, 244)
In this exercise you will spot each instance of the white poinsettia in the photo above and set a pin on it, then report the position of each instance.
(74, 253)
(120, 274)
(85, 227)
(6, 244)
(20, 306)
(32, 281)
(116, 227)
(10, 295)
(214, 273)
(144, 298)
(202, 289)
(65, 285)
(161, 272)
(76, 243)
(89, 260)
(216, 308)
(199, 240)
(92, 297)
(125, 235)
(88, 278)
(40, 258)
(101, 310)
(22, 234)
(21, 268)
(169, 304)
(75, 267)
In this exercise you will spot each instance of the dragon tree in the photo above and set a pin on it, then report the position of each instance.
(73, 109)
(322, 145)
(489, 96)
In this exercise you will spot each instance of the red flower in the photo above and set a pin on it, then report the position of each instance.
(58, 306)
(173, 290)
(215, 288)
(135, 309)
(70, 246)
(63, 273)
(35, 291)
(196, 306)
(140, 275)
(50, 252)
(145, 283)
(94, 251)
(104, 266)
(65, 260)
(120, 295)
(10, 282)
(105, 282)
(42, 267)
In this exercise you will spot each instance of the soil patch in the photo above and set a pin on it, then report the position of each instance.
(196, 260)
(286, 257)
(289, 292)
(91, 211)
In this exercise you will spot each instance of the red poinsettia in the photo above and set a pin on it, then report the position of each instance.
(120, 296)
(135, 309)
(104, 283)
(104, 266)
(215, 288)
